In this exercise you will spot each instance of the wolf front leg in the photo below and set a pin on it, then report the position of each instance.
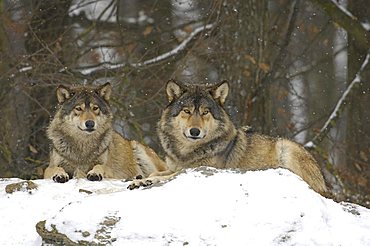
(102, 169)
(53, 171)
(154, 178)
(57, 174)
(97, 173)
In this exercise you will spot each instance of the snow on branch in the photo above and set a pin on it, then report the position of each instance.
(347, 20)
(338, 107)
(182, 46)
(176, 50)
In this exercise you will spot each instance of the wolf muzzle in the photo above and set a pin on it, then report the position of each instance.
(89, 124)
(194, 133)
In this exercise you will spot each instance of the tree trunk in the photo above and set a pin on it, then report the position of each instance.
(357, 170)
(298, 104)
(15, 115)
(242, 44)
(340, 65)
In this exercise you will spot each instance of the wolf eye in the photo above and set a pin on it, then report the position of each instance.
(78, 108)
(186, 111)
(95, 108)
(205, 112)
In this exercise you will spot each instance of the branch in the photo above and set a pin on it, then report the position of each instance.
(347, 20)
(307, 68)
(157, 59)
(339, 107)
(177, 50)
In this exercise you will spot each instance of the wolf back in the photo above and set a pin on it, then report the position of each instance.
(195, 130)
(84, 144)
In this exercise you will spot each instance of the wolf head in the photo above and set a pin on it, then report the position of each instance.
(196, 112)
(84, 109)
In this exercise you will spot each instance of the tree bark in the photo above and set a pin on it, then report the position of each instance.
(348, 21)
(15, 108)
(242, 43)
(358, 135)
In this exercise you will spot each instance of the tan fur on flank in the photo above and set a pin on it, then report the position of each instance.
(195, 131)
(84, 143)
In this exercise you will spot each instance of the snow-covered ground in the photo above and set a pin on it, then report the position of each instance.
(201, 206)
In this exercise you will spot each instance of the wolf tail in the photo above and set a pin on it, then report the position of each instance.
(295, 158)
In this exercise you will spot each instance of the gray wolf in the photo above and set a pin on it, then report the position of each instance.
(84, 144)
(195, 130)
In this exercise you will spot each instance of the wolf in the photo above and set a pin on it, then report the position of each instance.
(84, 144)
(195, 130)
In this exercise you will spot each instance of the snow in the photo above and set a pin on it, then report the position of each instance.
(309, 145)
(202, 206)
(93, 9)
(178, 48)
(366, 25)
(105, 11)
(342, 6)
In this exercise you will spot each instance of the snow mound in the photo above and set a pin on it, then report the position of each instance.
(201, 206)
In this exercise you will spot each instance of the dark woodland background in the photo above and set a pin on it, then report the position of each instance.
(289, 64)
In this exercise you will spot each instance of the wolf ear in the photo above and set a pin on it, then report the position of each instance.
(173, 90)
(105, 91)
(220, 92)
(63, 93)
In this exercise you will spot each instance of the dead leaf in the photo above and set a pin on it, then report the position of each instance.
(264, 66)
(250, 58)
(32, 149)
(358, 166)
(148, 30)
(315, 29)
(188, 29)
(363, 156)
(246, 73)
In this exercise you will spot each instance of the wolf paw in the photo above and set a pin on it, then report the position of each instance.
(94, 176)
(141, 183)
(61, 177)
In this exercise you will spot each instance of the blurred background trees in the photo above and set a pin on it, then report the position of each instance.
(288, 63)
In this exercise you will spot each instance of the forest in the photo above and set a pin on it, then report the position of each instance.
(297, 69)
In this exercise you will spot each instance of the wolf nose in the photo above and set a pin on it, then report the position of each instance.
(89, 124)
(194, 132)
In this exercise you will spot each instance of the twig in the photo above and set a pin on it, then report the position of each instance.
(307, 68)
(339, 107)
(36, 101)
